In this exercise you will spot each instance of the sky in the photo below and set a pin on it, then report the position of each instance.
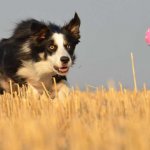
(110, 31)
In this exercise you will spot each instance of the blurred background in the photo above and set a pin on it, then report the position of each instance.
(110, 30)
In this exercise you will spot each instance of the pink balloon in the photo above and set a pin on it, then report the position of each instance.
(147, 36)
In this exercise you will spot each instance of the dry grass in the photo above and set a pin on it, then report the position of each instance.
(100, 120)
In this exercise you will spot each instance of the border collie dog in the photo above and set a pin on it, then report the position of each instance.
(36, 52)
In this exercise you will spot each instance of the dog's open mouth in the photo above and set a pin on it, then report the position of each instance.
(61, 70)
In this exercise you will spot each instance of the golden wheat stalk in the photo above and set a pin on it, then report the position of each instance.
(133, 71)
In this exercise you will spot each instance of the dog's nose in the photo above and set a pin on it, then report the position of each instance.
(64, 59)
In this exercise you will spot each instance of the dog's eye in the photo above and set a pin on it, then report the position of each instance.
(68, 46)
(53, 47)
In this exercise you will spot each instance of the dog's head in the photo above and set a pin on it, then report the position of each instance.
(50, 45)
(61, 45)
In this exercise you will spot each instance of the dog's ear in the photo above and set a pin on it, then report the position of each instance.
(40, 30)
(73, 26)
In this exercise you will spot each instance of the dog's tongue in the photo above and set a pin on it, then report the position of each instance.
(63, 69)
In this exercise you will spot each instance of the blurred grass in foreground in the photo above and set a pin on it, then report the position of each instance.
(87, 120)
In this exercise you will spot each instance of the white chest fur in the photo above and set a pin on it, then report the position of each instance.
(37, 73)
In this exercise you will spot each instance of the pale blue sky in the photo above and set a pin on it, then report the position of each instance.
(110, 30)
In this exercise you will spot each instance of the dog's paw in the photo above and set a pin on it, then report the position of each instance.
(63, 90)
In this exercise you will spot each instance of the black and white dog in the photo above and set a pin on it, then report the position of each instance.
(36, 52)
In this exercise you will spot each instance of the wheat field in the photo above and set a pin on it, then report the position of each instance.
(85, 120)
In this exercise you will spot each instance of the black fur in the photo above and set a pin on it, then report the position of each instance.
(10, 54)
(59, 78)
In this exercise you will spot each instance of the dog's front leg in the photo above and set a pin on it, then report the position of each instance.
(62, 88)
